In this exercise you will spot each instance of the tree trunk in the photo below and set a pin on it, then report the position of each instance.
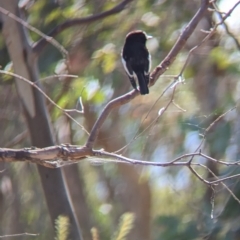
(34, 109)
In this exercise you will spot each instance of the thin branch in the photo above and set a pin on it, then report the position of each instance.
(20, 235)
(207, 130)
(25, 24)
(227, 28)
(197, 175)
(121, 159)
(47, 97)
(210, 34)
(160, 113)
(236, 163)
(222, 183)
(50, 77)
(39, 46)
(225, 178)
(210, 183)
(19, 138)
(171, 85)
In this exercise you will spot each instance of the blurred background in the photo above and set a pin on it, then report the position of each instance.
(168, 203)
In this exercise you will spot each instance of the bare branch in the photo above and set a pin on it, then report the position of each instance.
(231, 35)
(197, 175)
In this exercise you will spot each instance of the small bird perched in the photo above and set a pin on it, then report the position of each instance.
(137, 60)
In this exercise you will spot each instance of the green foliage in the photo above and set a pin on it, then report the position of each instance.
(177, 197)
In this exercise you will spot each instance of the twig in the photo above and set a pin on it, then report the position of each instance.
(222, 183)
(172, 84)
(160, 113)
(20, 235)
(17, 139)
(208, 129)
(58, 76)
(227, 28)
(197, 175)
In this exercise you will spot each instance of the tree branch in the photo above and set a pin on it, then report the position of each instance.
(31, 28)
(39, 46)
(60, 155)
(226, 26)
(65, 154)
(181, 41)
(33, 84)
(160, 69)
(210, 34)
(115, 103)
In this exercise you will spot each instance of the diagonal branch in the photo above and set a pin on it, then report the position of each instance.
(209, 35)
(33, 84)
(115, 103)
(181, 41)
(39, 46)
(31, 28)
(159, 70)
(226, 26)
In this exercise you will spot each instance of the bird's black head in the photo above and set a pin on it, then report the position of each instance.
(137, 36)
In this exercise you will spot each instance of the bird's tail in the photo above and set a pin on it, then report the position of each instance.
(143, 85)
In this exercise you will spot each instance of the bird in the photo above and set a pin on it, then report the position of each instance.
(137, 60)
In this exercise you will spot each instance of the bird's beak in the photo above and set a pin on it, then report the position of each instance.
(149, 37)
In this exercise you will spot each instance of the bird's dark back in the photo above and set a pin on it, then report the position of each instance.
(136, 53)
